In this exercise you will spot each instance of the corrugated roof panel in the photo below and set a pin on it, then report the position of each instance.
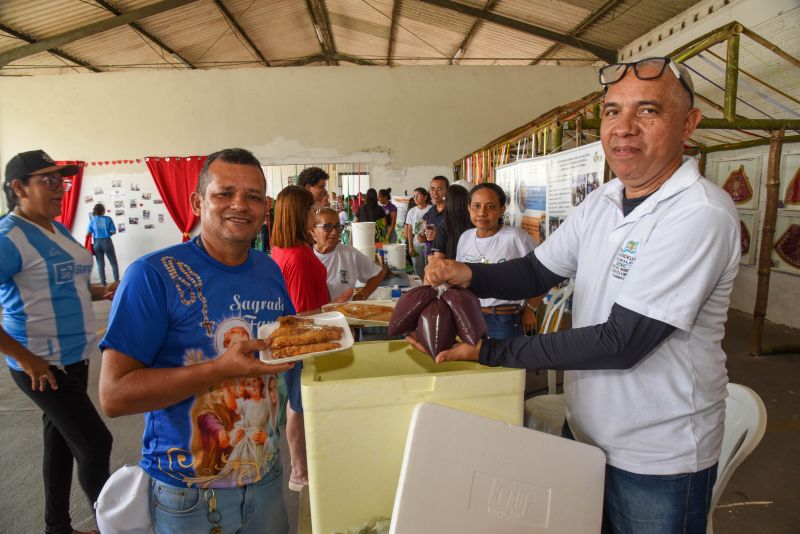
(361, 29)
(42, 63)
(428, 35)
(46, 18)
(553, 15)
(122, 48)
(281, 29)
(503, 43)
(199, 32)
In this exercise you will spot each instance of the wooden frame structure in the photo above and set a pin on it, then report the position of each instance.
(547, 133)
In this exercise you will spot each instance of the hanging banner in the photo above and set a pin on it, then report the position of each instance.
(572, 175)
(531, 197)
(543, 191)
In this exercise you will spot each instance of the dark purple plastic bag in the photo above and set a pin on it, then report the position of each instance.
(435, 329)
(406, 312)
(469, 322)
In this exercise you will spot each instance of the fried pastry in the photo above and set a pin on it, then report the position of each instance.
(306, 336)
(297, 350)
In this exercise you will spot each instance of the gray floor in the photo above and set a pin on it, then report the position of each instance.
(762, 497)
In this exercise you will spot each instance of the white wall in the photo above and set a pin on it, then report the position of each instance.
(407, 123)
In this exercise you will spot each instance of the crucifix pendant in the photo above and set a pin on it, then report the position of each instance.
(208, 326)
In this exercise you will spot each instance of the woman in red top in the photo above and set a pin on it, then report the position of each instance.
(306, 281)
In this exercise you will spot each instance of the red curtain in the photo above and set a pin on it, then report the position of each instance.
(176, 178)
(69, 202)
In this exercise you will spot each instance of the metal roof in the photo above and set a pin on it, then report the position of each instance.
(63, 36)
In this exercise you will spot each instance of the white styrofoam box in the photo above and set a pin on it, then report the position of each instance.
(467, 474)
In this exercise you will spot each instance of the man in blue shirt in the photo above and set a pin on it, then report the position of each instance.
(180, 347)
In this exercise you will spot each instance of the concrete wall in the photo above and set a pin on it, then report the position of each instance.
(415, 118)
(404, 124)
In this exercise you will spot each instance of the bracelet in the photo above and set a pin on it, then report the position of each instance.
(528, 305)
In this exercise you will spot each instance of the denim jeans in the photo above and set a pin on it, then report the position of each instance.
(103, 246)
(421, 259)
(503, 326)
(254, 509)
(655, 504)
(73, 433)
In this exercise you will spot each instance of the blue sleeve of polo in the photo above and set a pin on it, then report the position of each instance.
(12, 261)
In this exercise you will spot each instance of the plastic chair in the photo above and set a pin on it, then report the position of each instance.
(745, 423)
(547, 412)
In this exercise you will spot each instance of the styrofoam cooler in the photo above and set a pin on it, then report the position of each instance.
(396, 255)
(363, 234)
(358, 405)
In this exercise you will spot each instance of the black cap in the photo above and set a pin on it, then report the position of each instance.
(35, 162)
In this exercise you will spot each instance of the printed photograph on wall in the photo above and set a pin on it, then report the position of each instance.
(133, 220)
(121, 228)
(119, 213)
(149, 226)
(748, 222)
(88, 199)
(741, 179)
(134, 187)
(157, 201)
(132, 203)
(160, 217)
(145, 214)
(98, 190)
(146, 196)
(119, 204)
(790, 182)
(116, 183)
(786, 247)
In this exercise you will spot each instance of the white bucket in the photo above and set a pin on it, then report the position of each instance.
(396, 256)
(363, 234)
(369, 252)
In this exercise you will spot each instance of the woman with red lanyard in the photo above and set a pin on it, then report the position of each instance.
(306, 281)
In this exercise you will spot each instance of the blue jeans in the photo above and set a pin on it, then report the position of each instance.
(421, 259)
(655, 504)
(503, 326)
(103, 246)
(254, 509)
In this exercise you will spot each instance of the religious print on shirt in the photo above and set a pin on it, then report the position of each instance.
(193, 309)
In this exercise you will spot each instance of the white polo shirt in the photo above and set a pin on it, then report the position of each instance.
(674, 259)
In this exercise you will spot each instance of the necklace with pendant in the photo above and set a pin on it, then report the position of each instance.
(483, 259)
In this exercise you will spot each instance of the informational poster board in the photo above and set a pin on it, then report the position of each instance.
(544, 190)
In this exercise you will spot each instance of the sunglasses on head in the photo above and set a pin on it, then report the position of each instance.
(650, 68)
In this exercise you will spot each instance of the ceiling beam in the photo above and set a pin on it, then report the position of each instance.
(148, 35)
(393, 32)
(58, 53)
(254, 49)
(354, 59)
(299, 62)
(322, 27)
(606, 54)
(462, 48)
(90, 29)
(581, 27)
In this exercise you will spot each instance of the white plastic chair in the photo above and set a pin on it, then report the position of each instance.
(745, 423)
(547, 412)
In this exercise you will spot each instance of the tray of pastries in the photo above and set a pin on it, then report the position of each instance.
(293, 338)
(364, 312)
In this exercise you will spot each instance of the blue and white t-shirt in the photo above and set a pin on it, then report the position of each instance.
(101, 226)
(176, 307)
(44, 291)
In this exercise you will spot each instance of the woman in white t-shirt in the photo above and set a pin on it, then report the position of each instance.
(345, 264)
(492, 242)
(414, 226)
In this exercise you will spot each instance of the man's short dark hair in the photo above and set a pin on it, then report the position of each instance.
(238, 156)
(311, 176)
(443, 179)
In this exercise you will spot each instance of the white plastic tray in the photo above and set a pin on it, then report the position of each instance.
(361, 322)
(328, 318)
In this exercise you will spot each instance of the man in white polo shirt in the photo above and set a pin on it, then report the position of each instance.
(654, 254)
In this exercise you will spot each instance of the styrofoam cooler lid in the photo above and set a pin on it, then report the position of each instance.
(467, 474)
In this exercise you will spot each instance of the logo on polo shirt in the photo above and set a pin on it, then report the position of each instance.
(624, 260)
(344, 276)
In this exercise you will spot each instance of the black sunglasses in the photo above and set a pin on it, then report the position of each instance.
(650, 68)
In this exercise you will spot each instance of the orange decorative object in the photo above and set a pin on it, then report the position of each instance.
(792, 195)
(738, 186)
(745, 238)
(788, 246)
